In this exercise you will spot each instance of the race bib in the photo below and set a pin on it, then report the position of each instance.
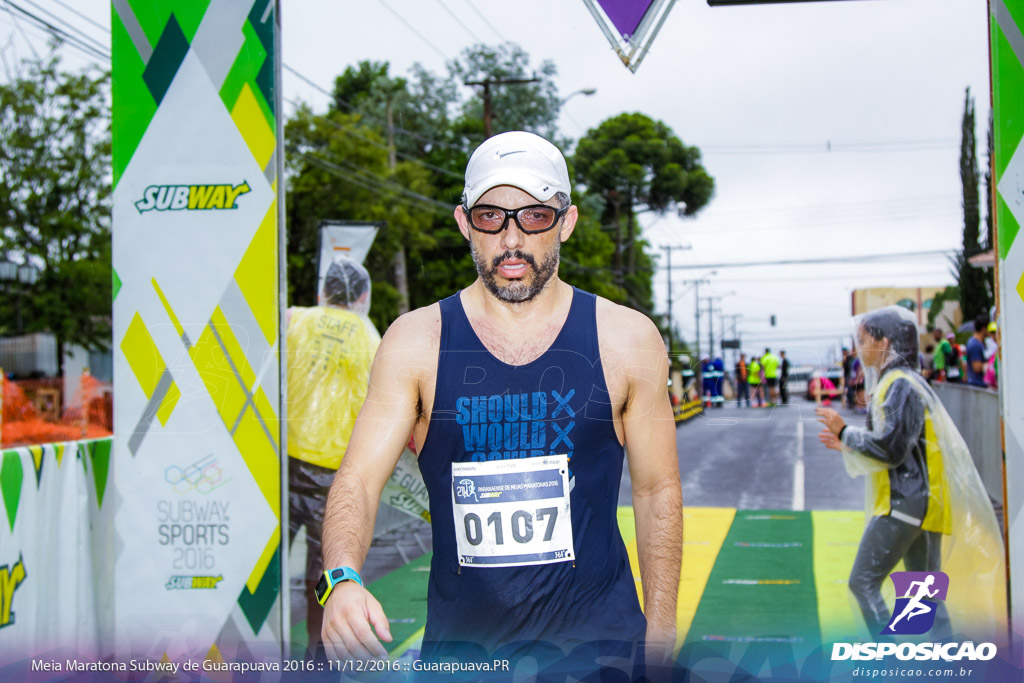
(512, 513)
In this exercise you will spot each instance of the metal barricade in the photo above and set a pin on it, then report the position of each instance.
(975, 412)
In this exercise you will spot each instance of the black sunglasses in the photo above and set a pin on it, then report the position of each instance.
(531, 220)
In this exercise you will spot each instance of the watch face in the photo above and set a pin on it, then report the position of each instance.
(321, 589)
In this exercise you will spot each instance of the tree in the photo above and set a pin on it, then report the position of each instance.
(523, 106)
(633, 161)
(975, 294)
(988, 242)
(433, 132)
(55, 186)
(339, 170)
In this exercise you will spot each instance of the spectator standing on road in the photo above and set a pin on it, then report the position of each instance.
(992, 358)
(846, 381)
(784, 378)
(330, 349)
(945, 363)
(859, 399)
(754, 374)
(718, 368)
(770, 366)
(927, 359)
(927, 504)
(742, 387)
(975, 356)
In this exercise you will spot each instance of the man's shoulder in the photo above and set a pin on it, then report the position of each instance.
(620, 327)
(415, 331)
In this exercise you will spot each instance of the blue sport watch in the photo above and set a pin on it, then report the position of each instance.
(332, 578)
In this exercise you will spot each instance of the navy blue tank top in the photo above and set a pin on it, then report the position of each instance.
(485, 409)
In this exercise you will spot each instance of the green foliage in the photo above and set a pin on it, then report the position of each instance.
(528, 106)
(950, 293)
(339, 171)
(339, 168)
(55, 199)
(587, 253)
(632, 161)
(975, 290)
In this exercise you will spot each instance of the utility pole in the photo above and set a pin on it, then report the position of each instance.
(398, 264)
(711, 321)
(696, 305)
(486, 84)
(668, 276)
(735, 352)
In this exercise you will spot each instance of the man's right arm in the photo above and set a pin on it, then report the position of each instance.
(381, 432)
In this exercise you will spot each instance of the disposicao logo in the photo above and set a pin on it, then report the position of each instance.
(191, 197)
(914, 614)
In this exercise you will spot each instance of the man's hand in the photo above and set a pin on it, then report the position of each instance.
(348, 615)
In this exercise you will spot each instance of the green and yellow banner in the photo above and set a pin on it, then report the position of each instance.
(196, 255)
(1007, 40)
(55, 531)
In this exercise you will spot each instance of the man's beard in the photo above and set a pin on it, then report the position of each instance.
(516, 291)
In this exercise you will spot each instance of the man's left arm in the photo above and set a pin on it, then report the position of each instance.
(650, 437)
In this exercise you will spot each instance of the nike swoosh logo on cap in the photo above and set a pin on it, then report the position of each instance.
(502, 156)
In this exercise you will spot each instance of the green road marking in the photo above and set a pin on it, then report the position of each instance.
(761, 589)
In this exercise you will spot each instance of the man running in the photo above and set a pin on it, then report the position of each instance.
(914, 606)
(521, 393)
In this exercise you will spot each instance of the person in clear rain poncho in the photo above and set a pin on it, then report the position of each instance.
(330, 348)
(925, 502)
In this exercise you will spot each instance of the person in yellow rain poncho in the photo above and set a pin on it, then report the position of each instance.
(330, 348)
(926, 504)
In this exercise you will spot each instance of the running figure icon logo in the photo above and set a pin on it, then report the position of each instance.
(914, 613)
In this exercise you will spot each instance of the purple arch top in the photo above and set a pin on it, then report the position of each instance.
(625, 14)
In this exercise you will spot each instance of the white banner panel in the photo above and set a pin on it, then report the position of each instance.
(196, 255)
(56, 536)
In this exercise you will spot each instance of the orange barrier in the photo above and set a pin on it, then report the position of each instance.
(33, 414)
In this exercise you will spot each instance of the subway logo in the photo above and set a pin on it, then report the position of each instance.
(190, 197)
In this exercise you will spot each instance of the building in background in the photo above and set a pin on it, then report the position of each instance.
(919, 300)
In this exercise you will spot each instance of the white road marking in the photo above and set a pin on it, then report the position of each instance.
(798, 468)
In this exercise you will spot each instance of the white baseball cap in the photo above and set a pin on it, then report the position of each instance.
(519, 159)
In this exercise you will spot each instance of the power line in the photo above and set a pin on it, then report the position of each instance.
(472, 6)
(352, 108)
(459, 21)
(414, 30)
(78, 32)
(74, 11)
(379, 182)
(848, 276)
(829, 147)
(830, 259)
(381, 145)
(58, 33)
(17, 25)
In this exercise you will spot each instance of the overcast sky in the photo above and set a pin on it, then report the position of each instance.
(762, 90)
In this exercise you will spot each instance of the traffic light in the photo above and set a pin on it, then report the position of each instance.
(773, 321)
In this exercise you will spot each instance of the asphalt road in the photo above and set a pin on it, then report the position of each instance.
(764, 458)
(745, 458)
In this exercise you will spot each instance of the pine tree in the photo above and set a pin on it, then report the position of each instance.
(975, 294)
